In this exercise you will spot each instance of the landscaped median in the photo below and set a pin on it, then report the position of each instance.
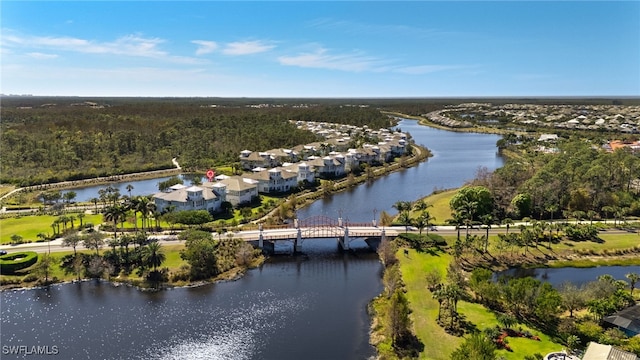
(10, 263)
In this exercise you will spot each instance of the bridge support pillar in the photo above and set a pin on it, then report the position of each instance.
(297, 244)
(260, 237)
(383, 235)
(344, 241)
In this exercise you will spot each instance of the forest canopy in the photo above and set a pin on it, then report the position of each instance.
(49, 140)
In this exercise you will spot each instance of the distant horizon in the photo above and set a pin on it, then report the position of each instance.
(334, 98)
(320, 49)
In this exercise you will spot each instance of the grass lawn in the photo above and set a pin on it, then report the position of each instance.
(439, 344)
(439, 206)
(5, 189)
(30, 226)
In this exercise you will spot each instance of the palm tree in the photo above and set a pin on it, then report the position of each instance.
(152, 255)
(55, 225)
(405, 219)
(146, 207)
(468, 210)
(440, 294)
(633, 279)
(129, 188)
(134, 204)
(457, 220)
(508, 222)
(487, 220)
(125, 241)
(421, 205)
(427, 219)
(402, 206)
(80, 217)
(64, 219)
(420, 223)
(95, 203)
(114, 213)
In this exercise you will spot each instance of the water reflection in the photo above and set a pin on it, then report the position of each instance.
(577, 276)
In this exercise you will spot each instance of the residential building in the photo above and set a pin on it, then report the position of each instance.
(239, 190)
(627, 320)
(597, 351)
(181, 198)
(274, 180)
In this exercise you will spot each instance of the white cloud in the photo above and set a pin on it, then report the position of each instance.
(246, 47)
(321, 59)
(130, 45)
(205, 47)
(38, 55)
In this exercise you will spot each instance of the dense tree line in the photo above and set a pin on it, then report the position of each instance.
(62, 142)
(579, 180)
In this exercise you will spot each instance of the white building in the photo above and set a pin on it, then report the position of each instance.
(181, 198)
(274, 180)
(238, 190)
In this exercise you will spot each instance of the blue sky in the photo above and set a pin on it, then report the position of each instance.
(320, 49)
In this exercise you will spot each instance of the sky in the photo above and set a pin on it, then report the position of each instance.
(338, 49)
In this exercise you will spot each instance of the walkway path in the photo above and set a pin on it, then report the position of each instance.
(97, 180)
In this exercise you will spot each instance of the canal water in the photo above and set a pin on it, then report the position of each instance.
(577, 276)
(311, 307)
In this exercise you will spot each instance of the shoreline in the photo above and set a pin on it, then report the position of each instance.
(231, 275)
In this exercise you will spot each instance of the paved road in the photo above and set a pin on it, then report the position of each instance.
(275, 234)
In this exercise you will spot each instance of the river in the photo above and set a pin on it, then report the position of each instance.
(311, 307)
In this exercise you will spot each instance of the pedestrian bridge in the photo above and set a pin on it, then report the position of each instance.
(317, 228)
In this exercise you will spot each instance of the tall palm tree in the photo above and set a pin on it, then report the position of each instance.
(81, 217)
(95, 203)
(129, 188)
(64, 219)
(152, 255)
(633, 279)
(508, 222)
(427, 219)
(420, 223)
(146, 207)
(133, 204)
(440, 294)
(405, 219)
(468, 210)
(402, 206)
(421, 205)
(115, 213)
(487, 220)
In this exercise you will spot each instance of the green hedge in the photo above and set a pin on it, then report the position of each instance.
(8, 264)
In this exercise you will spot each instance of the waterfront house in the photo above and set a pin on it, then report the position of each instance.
(274, 180)
(181, 198)
(328, 167)
(627, 320)
(239, 191)
(305, 174)
(250, 160)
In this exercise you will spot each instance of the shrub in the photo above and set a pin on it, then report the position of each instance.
(30, 278)
(10, 263)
